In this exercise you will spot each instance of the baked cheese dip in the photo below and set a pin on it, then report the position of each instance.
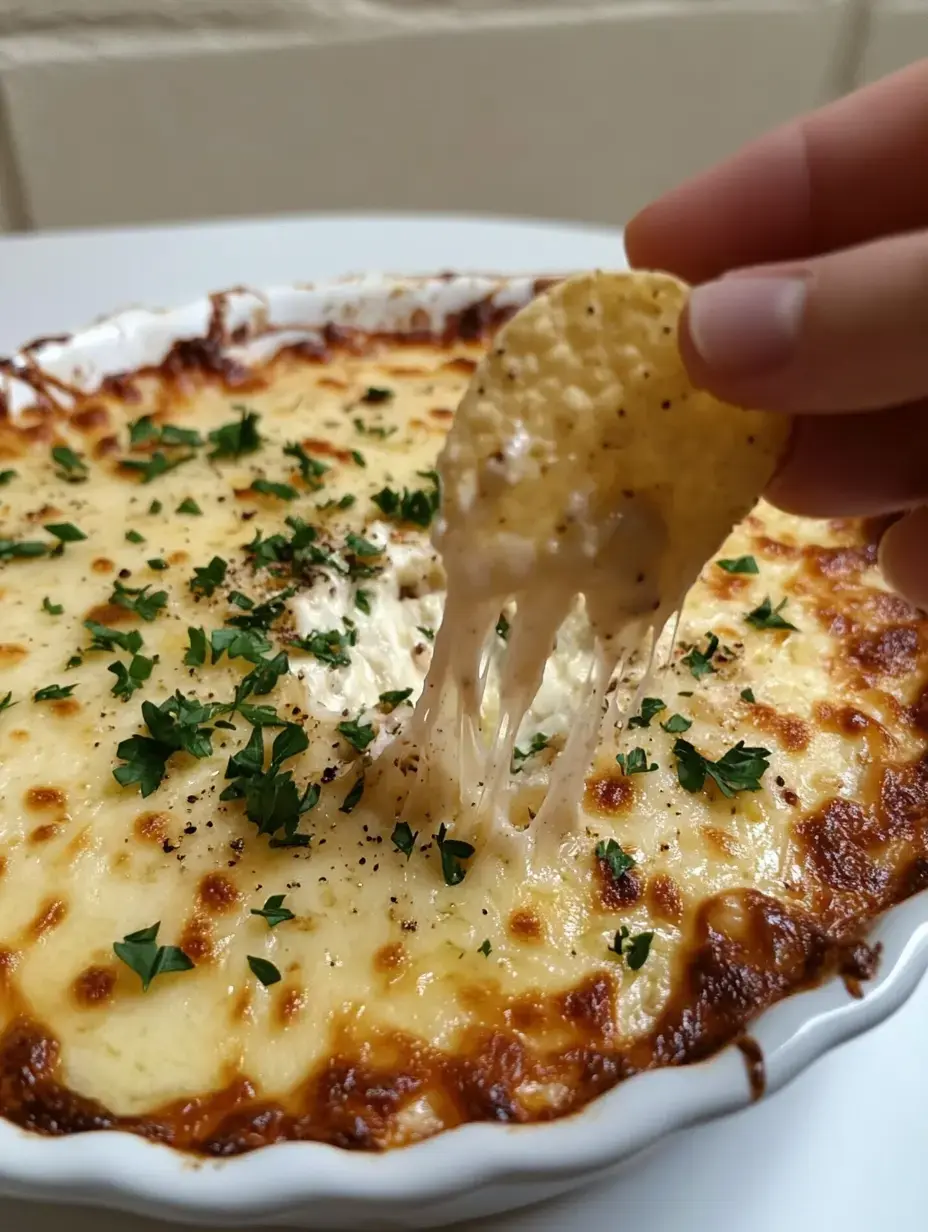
(239, 902)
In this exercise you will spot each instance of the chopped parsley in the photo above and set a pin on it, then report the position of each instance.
(747, 695)
(453, 851)
(140, 951)
(486, 949)
(650, 706)
(274, 911)
(635, 762)
(359, 735)
(71, 466)
(133, 536)
(6, 476)
(766, 616)
(189, 505)
(375, 430)
(329, 647)
(739, 564)
(362, 601)
(264, 971)
(637, 951)
(155, 506)
(195, 654)
(145, 431)
(618, 861)
(537, 743)
(6, 702)
(264, 614)
(358, 457)
(207, 577)
(375, 394)
(700, 661)
(138, 600)
(427, 633)
(54, 692)
(10, 549)
(65, 532)
(104, 638)
(393, 698)
(158, 563)
(741, 768)
(155, 466)
(53, 609)
(249, 644)
(311, 469)
(234, 439)
(178, 724)
(418, 507)
(353, 799)
(75, 661)
(237, 599)
(502, 627)
(676, 724)
(273, 802)
(130, 678)
(404, 838)
(283, 491)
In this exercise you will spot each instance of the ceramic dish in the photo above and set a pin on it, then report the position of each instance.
(477, 1169)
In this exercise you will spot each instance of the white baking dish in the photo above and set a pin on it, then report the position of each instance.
(477, 1169)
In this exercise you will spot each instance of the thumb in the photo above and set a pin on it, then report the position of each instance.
(904, 556)
(843, 332)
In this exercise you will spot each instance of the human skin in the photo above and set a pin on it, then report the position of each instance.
(808, 252)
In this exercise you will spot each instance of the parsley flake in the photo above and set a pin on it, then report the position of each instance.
(427, 633)
(138, 600)
(130, 678)
(6, 476)
(104, 638)
(147, 959)
(404, 838)
(6, 702)
(189, 505)
(486, 949)
(635, 762)
(418, 507)
(11, 549)
(53, 609)
(65, 532)
(650, 706)
(359, 735)
(329, 647)
(358, 457)
(747, 695)
(264, 971)
(453, 851)
(234, 439)
(611, 854)
(639, 947)
(207, 577)
(741, 768)
(195, 654)
(311, 469)
(274, 911)
(283, 491)
(739, 564)
(393, 698)
(362, 601)
(178, 724)
(155, 466)
(353, 799)
(273, 802)
(519, 756)
(133, 536)
(375, 394)
(677, 723)
(71, 466)
(700, 661)
(766, 616)
(53, 692)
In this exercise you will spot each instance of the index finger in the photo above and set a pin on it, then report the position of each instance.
(845, 174)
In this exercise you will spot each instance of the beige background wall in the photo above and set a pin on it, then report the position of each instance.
(126, 111)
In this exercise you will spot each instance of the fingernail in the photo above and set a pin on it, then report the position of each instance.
(746, 325)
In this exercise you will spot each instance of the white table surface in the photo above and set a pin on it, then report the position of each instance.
(844, 1147)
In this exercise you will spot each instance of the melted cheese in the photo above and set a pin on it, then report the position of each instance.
(380, 943)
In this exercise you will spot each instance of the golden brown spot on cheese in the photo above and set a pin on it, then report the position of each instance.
(775, 548)
(11, 652)
(791, 732)
(724, 585)
(48, 917)
(665, 898)
(217, 893)
(94, 986)
(890, 652)
(919, 712)
(44, 834)
(102, 565)
(837, 841)
(241, 1006)
(45, 799)
(105, 447)
(289, 1005)
(614, 893)
(461, 363)
(92, 417)
(111, 614)
(722, 841)
(525, 924)
(19, 735)
(3, 865)
(327, 450)
(390, 956)
(441, 413)
(64, 707)
(608, 795)
(179, 557)
(152, 827)
(197, 939)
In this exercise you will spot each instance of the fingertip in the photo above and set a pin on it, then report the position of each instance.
(903, 556)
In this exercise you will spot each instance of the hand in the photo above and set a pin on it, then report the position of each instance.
(811, 246)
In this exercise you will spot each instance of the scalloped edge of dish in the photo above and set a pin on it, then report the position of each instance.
(477, 1168)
